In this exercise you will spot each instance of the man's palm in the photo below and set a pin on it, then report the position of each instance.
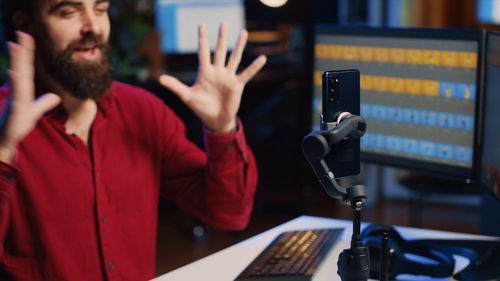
(216, 95)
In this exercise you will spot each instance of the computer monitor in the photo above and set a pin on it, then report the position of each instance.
(491, 148)
(420, 94)
(178, 20)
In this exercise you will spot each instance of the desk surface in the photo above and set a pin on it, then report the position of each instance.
(227, 264)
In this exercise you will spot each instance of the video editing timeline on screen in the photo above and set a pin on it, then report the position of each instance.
(417, 94)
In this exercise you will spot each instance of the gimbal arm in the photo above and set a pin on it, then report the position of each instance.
(317, 145)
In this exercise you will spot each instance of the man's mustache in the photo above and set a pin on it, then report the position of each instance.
(88, 41)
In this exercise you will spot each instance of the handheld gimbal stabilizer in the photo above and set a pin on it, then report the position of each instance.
(354, 263)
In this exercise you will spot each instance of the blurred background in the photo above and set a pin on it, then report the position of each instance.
(151, 37)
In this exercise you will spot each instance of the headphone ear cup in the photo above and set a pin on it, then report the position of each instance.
(398, 246)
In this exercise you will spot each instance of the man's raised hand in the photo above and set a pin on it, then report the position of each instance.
(25, 110)
(216, 95)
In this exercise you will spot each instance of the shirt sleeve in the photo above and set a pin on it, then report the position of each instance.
(6, 184)
(216, 185)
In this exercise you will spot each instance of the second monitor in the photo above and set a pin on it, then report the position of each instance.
(420, 94)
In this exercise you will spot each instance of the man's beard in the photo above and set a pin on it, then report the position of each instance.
(82, 79)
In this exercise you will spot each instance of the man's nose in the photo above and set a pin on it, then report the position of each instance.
(90, 24)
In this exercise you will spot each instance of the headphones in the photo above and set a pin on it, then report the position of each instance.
(443, 262)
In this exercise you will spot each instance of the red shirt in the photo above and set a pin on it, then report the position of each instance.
(72, 212)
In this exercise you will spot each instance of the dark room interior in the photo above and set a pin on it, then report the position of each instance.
(279, 108)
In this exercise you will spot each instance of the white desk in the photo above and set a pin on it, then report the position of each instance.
(227, 264)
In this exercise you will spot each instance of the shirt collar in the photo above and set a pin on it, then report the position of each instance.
(104, 105)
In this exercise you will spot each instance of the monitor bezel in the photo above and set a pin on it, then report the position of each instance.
(472, 174)
(485, 98)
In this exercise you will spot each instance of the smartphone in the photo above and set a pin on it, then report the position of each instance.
(341, 94)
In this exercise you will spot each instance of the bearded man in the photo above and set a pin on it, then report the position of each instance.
(83, 158)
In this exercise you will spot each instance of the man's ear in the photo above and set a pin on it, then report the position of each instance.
(22, 22)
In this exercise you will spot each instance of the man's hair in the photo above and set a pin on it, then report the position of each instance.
(8, 8)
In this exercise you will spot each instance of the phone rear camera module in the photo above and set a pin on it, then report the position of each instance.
(333, 89)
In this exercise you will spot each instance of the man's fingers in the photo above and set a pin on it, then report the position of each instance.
(252, 69)
(176, 86)
(46, 102)
(221, 48)
(26, 55)
(20, 91)
(203, 47)
(22, 71)
(235, 58)
(26, 40)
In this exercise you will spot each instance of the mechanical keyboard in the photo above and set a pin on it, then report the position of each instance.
(293, 255)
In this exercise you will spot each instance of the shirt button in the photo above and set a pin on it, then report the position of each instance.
(111, 266)
(8, 178)
(228, 146)
(103, 219)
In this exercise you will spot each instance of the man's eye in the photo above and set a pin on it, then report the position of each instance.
(67, 12)
(103, 8)
(101, 11)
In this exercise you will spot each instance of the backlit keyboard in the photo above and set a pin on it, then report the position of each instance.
(293, 255)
